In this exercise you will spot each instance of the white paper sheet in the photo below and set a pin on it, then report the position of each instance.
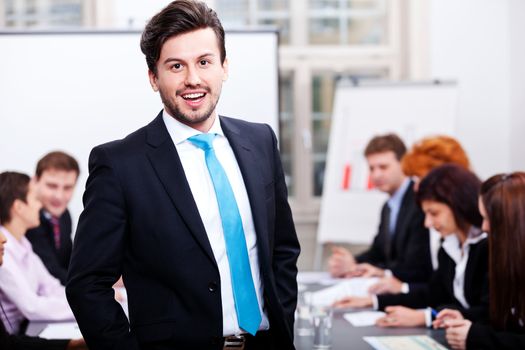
(357, 287)
(410, 342)
(363, 318)
(310, 277)
(61, 330)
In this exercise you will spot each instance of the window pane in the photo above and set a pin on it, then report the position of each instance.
(244, 14)
(323, 85)
(57, 13)
(347, 22)
(233, 13)
(286, 127)
(323, 92)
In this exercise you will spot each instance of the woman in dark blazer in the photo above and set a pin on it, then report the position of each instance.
(448, 196)
(502, 205)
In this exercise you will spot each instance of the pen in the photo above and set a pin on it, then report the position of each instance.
(433, 313)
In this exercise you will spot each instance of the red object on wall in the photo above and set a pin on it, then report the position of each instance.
(347, 176)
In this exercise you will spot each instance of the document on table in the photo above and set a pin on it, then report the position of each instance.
(310, 277)
(61, 330)
(411, 342)
(357, 287)
(363, 318)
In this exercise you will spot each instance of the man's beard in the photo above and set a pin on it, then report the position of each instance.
(176, 113)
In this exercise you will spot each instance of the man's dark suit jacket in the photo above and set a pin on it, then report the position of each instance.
(42, 239)
(140, 220)
(407, 251)
(439, 292)
(20, 342)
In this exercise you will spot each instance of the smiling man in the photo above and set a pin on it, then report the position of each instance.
(191, 209)
(56, 177)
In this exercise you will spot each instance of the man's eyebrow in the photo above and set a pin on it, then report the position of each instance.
(174, 59)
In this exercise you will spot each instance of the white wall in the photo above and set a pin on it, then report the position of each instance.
(76, 90)
(517, 86)
(470, 43)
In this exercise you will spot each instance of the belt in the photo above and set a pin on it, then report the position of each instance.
(239, 342)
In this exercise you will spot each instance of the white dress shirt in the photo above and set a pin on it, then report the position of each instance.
(27, 289)
(460, 254)
(201, 185)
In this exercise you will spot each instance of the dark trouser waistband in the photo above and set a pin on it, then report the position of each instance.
(261, 341)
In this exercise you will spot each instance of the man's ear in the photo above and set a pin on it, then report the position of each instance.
(225, 69)
(153, 80)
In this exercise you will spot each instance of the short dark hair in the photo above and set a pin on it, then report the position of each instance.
(56, 160)
(179, 17)
(13, 186)
(455, 187)
(385, 143)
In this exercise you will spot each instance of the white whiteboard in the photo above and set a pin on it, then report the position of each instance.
(349, 210)
(72, 91)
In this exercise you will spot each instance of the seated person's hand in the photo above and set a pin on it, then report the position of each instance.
(340, 262)
(386, 285)
(366, 270)
(354, 302)
(457, 332)
(77, 344)
(444, 315)
(400, 316)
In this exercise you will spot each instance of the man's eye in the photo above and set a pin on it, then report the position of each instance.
(203, 62)
(177, 66)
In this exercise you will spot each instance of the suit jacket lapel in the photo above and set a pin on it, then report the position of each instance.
(249, 165)
(166, 162)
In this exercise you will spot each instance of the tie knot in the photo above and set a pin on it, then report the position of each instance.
(203, 141)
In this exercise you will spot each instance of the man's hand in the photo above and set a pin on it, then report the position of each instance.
(386, 285)
(444, 315)
(366, 270)
(77, 344)
(341, 262)
(354, 302)
(400, 316)
(457, 331)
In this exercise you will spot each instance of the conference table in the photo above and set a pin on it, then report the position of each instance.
(344, 335)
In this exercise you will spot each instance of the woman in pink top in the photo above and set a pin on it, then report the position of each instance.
(27, 290)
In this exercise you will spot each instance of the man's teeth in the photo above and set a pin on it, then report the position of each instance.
(193, 96)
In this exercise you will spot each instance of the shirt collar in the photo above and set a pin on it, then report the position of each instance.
(453, 248)
(397, 197)
(19, 249)
(180, 132)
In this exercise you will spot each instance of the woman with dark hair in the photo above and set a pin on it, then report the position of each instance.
(18, 211)
(448, 196)
(425, 155)
(502, 205)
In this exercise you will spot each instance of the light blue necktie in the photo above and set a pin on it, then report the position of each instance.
(246, 303)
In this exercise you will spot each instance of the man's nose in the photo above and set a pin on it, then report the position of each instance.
(192, 77)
